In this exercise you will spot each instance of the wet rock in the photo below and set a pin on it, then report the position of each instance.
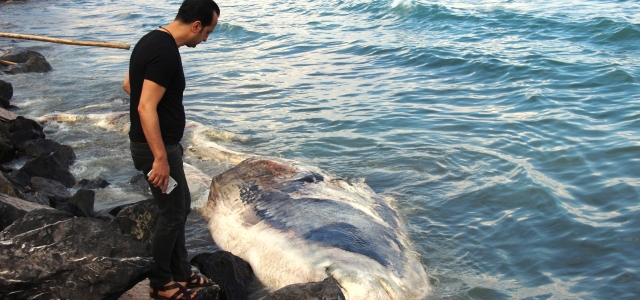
(93, 184)
(139, 183)
(46, 166)
(19, 55)
(327, 289)
(6, 115)
(4, 102)
(33, 220)
(12, 209)
(6, 169)
(38, 64)
(78, 258)
(84, 200)
(213, 292)
(54, 191)
(102, 215)
(6, 90)
(37, 147)
(16, 69)
(68, 207)
(230, 272)
(137, 221)
(7, 153)
(6, 186)
(22, 129)
(27, 61)
(36, 197)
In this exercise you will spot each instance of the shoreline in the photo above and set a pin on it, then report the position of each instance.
(236, 282)
(43, 197)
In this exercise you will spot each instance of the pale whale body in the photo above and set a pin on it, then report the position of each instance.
(295, 223)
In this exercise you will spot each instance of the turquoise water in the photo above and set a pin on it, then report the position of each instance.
(506, 132)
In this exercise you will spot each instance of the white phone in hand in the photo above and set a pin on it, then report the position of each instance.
(171, 186)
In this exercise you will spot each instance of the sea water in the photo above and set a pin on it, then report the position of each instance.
(507, 133)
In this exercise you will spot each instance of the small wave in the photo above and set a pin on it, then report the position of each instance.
(405, 4)
(404, 10)
(614, 77)
(608, 31)
(197, 137)
(237, 32)
(626, 34)
(127, 16)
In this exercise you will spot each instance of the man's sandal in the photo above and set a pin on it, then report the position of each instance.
(197, 280)
(181, 294)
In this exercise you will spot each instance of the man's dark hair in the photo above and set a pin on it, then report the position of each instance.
(198, 10)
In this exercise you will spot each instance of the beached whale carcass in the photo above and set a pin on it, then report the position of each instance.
(294, 223)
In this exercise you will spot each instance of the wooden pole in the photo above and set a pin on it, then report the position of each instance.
(7, 63)
(65, 41)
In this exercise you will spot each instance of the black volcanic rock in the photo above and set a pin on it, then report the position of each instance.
(7, 153)
(12, 209)
(35, 219)
(139, 183)
(53, 190)
(37, 147)
(46, 166)
(83, 200)
(327, 289)
(6, 186)
(78, 258)
(230, 272)
(4, 102)
(93, 184)
(27, 61)
(22, 129)
(6, 90)
(137, 221)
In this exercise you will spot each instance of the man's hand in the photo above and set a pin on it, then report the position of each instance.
(160, 174)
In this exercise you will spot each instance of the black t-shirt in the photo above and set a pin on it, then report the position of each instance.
(156, 58)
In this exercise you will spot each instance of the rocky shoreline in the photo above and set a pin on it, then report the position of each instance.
(53, 245)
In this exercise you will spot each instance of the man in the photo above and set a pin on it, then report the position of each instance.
(156, 83)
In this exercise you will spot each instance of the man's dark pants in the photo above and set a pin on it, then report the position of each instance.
(168, 245)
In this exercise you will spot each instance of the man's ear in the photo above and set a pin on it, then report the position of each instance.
(196, 26)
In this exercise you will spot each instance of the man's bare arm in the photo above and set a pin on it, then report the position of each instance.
(126, 86)
(149, 99)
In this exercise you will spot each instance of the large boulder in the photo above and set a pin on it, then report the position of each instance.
(6, 90)
(12, 209)
(33, 220)
(36, 197)
(327, 289)
(7, 153)
(27, 61)
(22, 129)
(53, 190)
(4, 102)
(92, 184)
(78, 258)
(83, 200)
(37, 147)
(230, 272)
(137, 221)
(6, 115)
(210, 293)
(46, 166)
(6, 186)
(139, 183)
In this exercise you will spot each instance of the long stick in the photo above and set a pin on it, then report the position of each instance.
(65, 41)
(7, 63)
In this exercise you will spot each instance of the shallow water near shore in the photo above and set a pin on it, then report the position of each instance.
(506, 132)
